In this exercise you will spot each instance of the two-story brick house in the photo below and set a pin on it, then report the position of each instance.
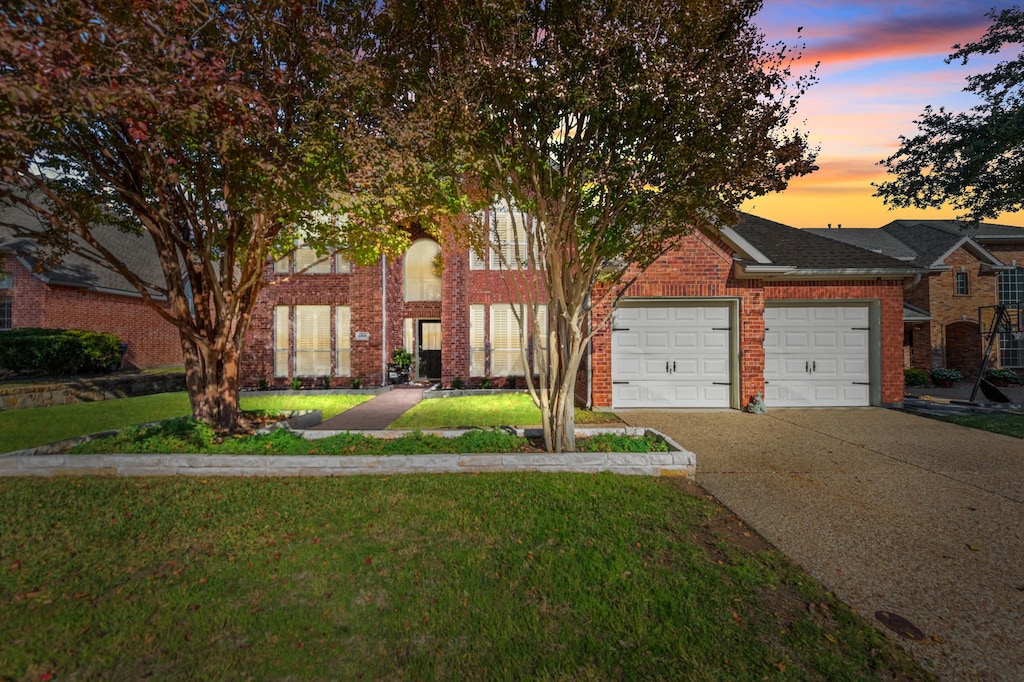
(966, 268)
(759, 308)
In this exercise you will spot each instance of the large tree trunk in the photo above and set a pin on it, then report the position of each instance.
(212, 380)
(557, 391)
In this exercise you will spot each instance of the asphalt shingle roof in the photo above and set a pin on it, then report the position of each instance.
(874, 240)
(790, 246)
(933, 239)
(83, 266)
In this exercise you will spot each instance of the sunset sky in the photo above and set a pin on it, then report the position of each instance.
(882, 62)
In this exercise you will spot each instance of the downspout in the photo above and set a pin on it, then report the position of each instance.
(383, 321)
(913, 282)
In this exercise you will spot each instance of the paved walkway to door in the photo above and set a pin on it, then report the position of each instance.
(892, 512)
(376, 413)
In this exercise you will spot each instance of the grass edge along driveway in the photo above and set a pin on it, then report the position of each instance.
(509, 576)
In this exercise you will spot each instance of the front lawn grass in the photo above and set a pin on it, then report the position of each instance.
(447, 577)
(1009, 424)
(502, 409)
(29, 428)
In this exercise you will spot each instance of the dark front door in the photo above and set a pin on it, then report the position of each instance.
(429, 345)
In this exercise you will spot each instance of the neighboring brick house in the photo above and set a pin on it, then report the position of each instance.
(81, 292)
(762, 307)
(966, 268)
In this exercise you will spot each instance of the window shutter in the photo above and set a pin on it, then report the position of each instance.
(281, 341)
(312, 340)
(343, 339)
(477, 342)
(506, 355)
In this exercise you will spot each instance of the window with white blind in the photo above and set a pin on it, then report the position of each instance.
(312, 340)
(315, 348)
(506, 345)
(477, 341)
(495, 344)
(282, 343)
(507, 242)
(343, 340)
(305, 257)
(422, 282)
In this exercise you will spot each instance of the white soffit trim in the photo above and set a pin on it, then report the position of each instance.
(974, 247)
(740, 244)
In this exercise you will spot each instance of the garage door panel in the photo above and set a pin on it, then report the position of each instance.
(671, 356)
(817, 356)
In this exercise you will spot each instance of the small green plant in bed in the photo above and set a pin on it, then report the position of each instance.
(185, 435)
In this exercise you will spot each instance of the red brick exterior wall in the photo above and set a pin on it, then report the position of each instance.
(152, 341)
(702, 268)
(361, 290)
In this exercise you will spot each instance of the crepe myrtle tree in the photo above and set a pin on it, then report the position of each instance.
(225, 131)
(606, 131)
(970, 160)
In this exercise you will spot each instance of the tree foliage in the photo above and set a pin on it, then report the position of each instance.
(617, 128)
(226, 131)
(972, 160)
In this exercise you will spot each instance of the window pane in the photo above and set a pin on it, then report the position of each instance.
(312, 340)
(477, 341)
(307, 258)
(342, 265)
(421, 282)
(343, 336)
(280, 341)
(281, 265)
(5, 313)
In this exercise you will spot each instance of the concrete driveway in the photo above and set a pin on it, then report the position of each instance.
(891, 511)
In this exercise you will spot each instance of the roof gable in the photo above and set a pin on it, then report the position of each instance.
(784, 251)
(83, 266)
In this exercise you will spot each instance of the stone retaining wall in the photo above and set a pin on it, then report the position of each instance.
(88, 390)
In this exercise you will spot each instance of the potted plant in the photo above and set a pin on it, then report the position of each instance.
(402, 358)
(400, 366)
(946, 376)
(1000, 377)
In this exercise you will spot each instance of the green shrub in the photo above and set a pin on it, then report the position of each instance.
(946, 374)
(915, 377)
(58, 352)
(295, 383)
(1003, 373)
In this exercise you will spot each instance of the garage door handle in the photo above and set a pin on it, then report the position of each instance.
(861, 329)
(720, 329)
(673, 365)
(620, 382)
(814, 366)
(666, 366)
(861, 383)
(807, 366)
(620, 329)
(724, 383)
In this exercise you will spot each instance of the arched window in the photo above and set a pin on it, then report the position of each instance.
(422, 280)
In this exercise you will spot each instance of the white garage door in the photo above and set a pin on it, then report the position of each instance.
(671, 357)
(816, 356)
